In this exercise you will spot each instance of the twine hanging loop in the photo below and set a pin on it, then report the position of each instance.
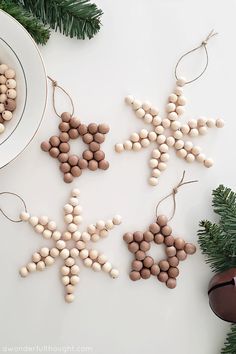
(22, 201)
(54, 87)
(173, 195)
(204, 45)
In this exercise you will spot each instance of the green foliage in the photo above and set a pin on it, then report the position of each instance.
(218, 243)
(74, 18)
(35, 27)
(230, 343)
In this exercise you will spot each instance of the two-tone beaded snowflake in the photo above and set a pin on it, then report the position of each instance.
(168, 132)
(46, 256)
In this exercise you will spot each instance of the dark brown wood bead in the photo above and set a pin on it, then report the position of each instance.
(133, 247)
(82, 129)
(145, 273)
(83, 163)
(68, 178)
(137, 265)
(73, 160)
(93, 165)
(64, 127)
(66, 117)
(148, 236)
(73, 133)
(138, 236)
(169, 240)
(54, 152)
(87, 138)
(128, 237)
(76, 171)
(154, 228)
(140, 255)
(155, 269)
(46, 146)
(92, 128)
(134, 275)
(74, 122)
(99, 155)
(144, 246)
(93, 146)
(87, 155)
(65, 167)
(103, 128)
(64, 147)
(148, 262)
(173, 272)
(99, 138)
(103, 165)
(159, 239)
(162, 220)
(64, 137)
(63, 157)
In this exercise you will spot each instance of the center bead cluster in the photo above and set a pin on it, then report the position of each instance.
(72, 165)
(143, 266)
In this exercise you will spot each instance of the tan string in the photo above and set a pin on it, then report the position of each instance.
(204, 45)
(21, 199)
(54, 86)
(173, 194)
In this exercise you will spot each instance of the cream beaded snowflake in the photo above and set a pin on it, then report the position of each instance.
(45, 257)
(168, 132)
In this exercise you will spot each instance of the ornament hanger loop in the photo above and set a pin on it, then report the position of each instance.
(204, 45)
(54, 86)
(21, 199)
(173, 195)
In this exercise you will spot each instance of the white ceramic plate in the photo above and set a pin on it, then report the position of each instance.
(19, 51)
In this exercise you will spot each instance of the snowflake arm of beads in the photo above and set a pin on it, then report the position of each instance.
(46, 257)
(168, 132)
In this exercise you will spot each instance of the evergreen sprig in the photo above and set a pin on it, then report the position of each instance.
(74, 18)
(218, 243)
(34, 26)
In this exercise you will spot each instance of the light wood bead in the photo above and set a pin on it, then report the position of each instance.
(211, 123)
(102, 258)
(40, 266)
(156, 173)
(188, 145)
(74, 269)
(117, 220)
(201, 158)
(36, 257)
(72, 227)
(181, 101)
(180, 110)
(3, 89)
(74, 252)
(24, 216)
(201, 122)
(162, 166)
(109, 225)
(68, 209)
(143, 133)
(148, 118)
(114, 273)
(56, 235)
(182, 153)
(156, 121)
(103, 233)
(181, 81)
(170, 107)
(69, 262)
(60, 244)
(96, 267)
(73, 201)
(107, 267)
(134, 137)
(190, 158)
(24, 272)
(173, 116)
(47, 234)
(153, 181)
(70, 288)
(39, 229)
(31, 267)
(91, 229)
(100, 225)
(161, 139)
(10, 74)
(196, 150)
(77, 219)
(179, 91)
(154, 111)
(129, 99)
(140, 113)
(179, 144)
(178, 134)
(33, 220)
(2, 128)
(156, 153)
(43, 220)
(119, 148)
(85, 236)
(159, 129)
(164, 157)
(173, 98)
(208, 163)
(95, 237)
(152, 136)
(137, 146)
(153, 163)
(93, 254)
(52, 225)
(170, 141)
(88, 262)
(54, 252)
(84, 253)
(3, 68)
(69, 298)
(65, 280)
(194, 133)
(202, 130)
(3, 97)
(49, 261)
(136, 104)
(220, 123)
(145, 142)
(64, 254)
(192, 123)
(146, 105)
(44, 252)
(77, 210)
(185, 129)
(128, 145)
(7, 115)
(166, 123)
(163, 148)
(68, 218)
(175, 125)
(75, 192)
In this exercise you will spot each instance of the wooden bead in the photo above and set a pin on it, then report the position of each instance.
(179, 243)
(220, 123)
(148, 262)
(140, 255)
(162, 220)
(173, 261)
(145, 273)
(137, 265)
(144, 246)
(169, 240)
(181, 81)
(24, 272)
(114, 273)
(155, 269)
(181, 255)
(133, 247)
(208, 163)
(170, 251)
(166, 230)
(189, 248)
(153, 181)
(129, 99)
(148, 236)
(154, 228)
(173, 272)
(162, 277)
(164, 265)
(159, 239)
(171, 283)
(134, 275)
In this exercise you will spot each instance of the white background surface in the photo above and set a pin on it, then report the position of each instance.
(135, 52)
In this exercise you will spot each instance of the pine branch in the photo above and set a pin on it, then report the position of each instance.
(38, 31)
(74, 18)
(230, 343)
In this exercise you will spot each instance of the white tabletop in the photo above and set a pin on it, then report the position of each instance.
(135, 52)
